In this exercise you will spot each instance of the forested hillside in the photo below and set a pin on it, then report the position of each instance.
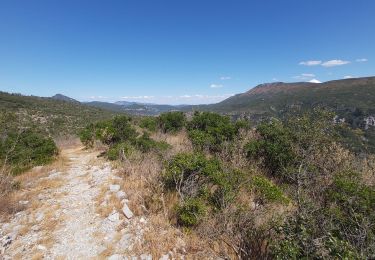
(57, 117)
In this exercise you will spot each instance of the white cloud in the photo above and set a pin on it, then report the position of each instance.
(225, 78)
(97, 97)
(315, 81)
(310, 62)
(348, 77)
(275, 79)
(308, 75)
(137, 97)
(361, 60)
(304, 76)
(216, 86)
(332, 63)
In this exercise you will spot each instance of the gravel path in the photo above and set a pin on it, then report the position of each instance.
(63, 220)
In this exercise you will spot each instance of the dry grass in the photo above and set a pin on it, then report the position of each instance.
(369, 170)
(180, 141)
(31, 184)
(67, 142)
(160, 237)
(35, 255)
(111, 203)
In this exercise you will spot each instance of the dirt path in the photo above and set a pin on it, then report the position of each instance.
(75, 212)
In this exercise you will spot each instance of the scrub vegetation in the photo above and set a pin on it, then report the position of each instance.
(282, 189)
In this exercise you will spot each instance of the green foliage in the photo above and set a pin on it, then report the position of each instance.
(200, 139)
(145, 144)
(274, 146)
(210, 130)
(202, 181)
(339, 249)
(191, 212)
(266, 191)
(184, 165)
(242, 124)
(122, 130)
(27, 148)
(111, 132)
(58, 118)
(149, 123)
(172, 121)
(87, 136)
(115, 150)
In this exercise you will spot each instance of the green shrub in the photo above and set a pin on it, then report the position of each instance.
(87, 136)
(27, 149)
(149, 123)
(123, 130)
(227, 184)
(266, 191)
(201, 140)
(183, 165)
(115, 150)
(351, 211)
(191, 212)
(275, 146)
(210, 130)
(242, 124)
(110, 132)
(145, 144)
(172, 121)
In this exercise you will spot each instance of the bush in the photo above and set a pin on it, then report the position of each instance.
(149, 123)
(191, 212)
(110, 132)
(27, 149)
(266, 191)
(172, 121)
(87, 136)
(275, 146)
(145, 144)
(116, 150)
(123, 130)
(210, 130)
(186, 166)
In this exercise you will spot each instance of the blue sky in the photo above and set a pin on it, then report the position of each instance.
(180, 51)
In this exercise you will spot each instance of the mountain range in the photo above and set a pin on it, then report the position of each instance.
(353, 100)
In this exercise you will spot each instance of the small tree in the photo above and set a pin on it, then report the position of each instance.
(172, 121)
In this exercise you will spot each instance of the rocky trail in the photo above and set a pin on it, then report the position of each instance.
(76, 212)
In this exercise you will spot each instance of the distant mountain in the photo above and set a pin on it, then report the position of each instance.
(57, 117)
(64, 98)
(275, 98)
(353, 100)
(106, 105)
(134, 108)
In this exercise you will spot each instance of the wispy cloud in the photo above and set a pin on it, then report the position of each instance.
(97, 97)
(137, 97)
(304, 76)
(349, 77)
(328, 63)
(310, 62)
(333, 63)
(315, 81)
(225, 78)
(361, 60)
(216, 86)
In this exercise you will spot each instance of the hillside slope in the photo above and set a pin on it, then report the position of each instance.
(57, 117)
(353, 100)
(275, 98)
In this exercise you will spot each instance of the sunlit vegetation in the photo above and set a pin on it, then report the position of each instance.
(284, 189)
